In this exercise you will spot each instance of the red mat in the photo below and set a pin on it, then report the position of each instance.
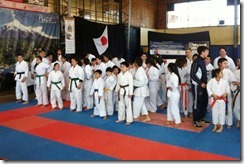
(161, 119)
(109, 143)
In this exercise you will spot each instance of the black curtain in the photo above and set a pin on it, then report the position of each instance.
(85, 31)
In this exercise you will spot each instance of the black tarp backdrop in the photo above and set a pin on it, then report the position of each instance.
(85, 31)
(156, 36)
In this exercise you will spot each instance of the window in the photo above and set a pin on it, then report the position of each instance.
(202, 13)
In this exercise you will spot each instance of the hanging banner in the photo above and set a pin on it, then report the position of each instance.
(69, 35)
(27, 5)
(174, 45)
(23, 32)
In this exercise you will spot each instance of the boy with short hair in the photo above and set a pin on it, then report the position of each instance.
(98, 93)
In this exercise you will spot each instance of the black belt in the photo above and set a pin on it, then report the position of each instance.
(71, 82)
(132, 98)
(235, 94)
(20, 73)
(56, 83)
(122, 86)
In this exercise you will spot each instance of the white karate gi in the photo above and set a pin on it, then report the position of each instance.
(117, 62)
(209, 69)
(231, 64)
(218, 110)
(140, 81)
(65, 69)
(98, 90)
(88, 101)
(229, 76)
(21, 71)
(151, 100)
(110, 83)
(90, 57)
(173, 111)
(159, 99)
(124, 88)
(110, 64)
(76, 74)
(41, 83)
(103, 68)
(56, 83)
(237, 94)
(163, 81)
(190, 95)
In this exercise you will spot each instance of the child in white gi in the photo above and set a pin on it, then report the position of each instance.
(65, 67)
(56, 84)
(88, 101)
(116, 72)
(124, 88)
(76, 75)
(153, 77)
(41, 70)
(141, 91)
(97, 91)
(173, 94)
(218, 89)
(21, 74)
(110, 83)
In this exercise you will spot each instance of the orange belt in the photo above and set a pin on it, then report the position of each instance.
(220, 98)
(184, 95)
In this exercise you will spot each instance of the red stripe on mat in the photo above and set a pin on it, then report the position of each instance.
(108, 143)
(161, 119)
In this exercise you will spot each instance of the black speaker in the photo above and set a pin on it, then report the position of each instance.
(170, 7)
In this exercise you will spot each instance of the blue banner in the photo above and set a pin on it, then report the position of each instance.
(22, 32)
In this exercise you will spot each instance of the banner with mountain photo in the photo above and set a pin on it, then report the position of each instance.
(23, 31)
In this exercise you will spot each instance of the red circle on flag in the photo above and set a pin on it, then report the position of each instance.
(104, 40)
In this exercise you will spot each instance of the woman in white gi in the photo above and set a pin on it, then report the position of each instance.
(76, 75)
(173, 94)
(124, 89)
(41, 70)
(218, 89)
(21, 74)
(97, 91)
(141, 91)
(110, 83)
(101, 66)
(229, 76)
(153, 77)
(55, 84)
(181, 64)
(65, 70)
(88, 80)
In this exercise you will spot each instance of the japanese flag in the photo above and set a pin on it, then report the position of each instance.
(101, 43)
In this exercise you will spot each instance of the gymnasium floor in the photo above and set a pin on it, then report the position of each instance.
(35, 133)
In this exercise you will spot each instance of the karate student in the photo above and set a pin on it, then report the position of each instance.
(229, 76)
(98, 92)
(107, 61)
(181, 64)
(101, 66)
(141, 91)
(65, 70)
(209, 67)
(124, 88)
(110, 83)
(41, 69)
(236, 94)
(55, 84)
(20, 76)
(88, 80)
(76, 75)
(144, 58)
(164, 72)
(218, 89)
(132, 68)
(118, 59)
(116, 72)
(153, 77)
(173, 94)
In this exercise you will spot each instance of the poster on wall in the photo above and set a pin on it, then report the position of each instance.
(69, 24)
(23, 32)
(28, 5)
(174, 45)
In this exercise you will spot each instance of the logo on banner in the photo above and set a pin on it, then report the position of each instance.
(101, 43)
